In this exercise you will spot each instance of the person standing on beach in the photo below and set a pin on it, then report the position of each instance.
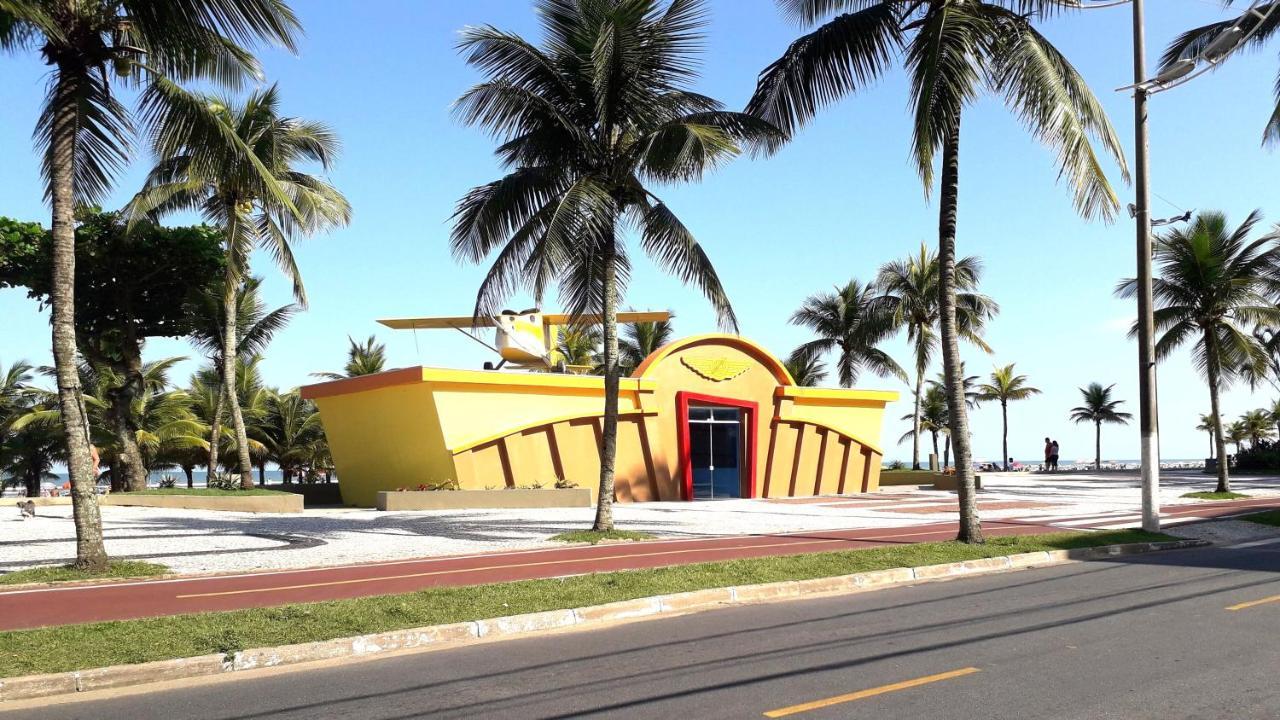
(1048, 455)
(1053, 456)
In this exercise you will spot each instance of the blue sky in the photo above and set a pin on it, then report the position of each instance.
(839, 201)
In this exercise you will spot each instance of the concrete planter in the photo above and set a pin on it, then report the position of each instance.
(908, 477)
(948, 482)
(471, 499)
(939, 481)
(281, 503)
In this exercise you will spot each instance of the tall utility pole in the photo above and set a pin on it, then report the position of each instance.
(1147, 417)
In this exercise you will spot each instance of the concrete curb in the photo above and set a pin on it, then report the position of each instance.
(39, 686)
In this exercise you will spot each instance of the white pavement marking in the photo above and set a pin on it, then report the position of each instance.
(1253, 544)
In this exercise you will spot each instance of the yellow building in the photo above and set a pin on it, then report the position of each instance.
(706, 417)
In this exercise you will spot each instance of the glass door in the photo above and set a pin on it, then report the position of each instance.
(715, 452)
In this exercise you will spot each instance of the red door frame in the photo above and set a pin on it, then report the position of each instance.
(683, 400)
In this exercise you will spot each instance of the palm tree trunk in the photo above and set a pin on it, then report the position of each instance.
(128, 455)
(1004, 434)
(1097, 445)
(970, 526)
(128, 458)
(935, 444)
(262, 473)
(215, 431)
(91, 554)
(1210, 446)
(946, 453)
(1213, 369)
(915, 424)
(609, 435)
(230, 351)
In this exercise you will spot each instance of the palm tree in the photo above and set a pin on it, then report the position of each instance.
(1214, 285)
(579, 345)
(255, 327)
(238, 165)
(292, 432)
(1099, 408)
(1235, 433)
(1191, 44)
(168, 429)
(586, 122)
(29, 454)
(1257, 427)
(253, 396)
(1208, 425)
(84, 130)
(1006, 387)
(851, 322)
(972, 398)
(910, 289)
(952, 52)
(931, 417)
(17, 398)
(16, 392)
(642, 339)
(806, 369)
(364, 358)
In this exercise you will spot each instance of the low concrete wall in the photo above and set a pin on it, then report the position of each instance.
(948, 482)
(282, 503)
(468, 499)
(908, 477)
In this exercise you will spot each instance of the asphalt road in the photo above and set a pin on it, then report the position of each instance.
(1141, 637)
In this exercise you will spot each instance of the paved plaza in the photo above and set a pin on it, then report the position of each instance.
(192, 541)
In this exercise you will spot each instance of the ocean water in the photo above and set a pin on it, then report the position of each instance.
(197, 478)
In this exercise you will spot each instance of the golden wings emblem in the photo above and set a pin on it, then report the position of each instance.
(716, 369)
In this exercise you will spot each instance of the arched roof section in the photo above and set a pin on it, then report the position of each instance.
(737, 341)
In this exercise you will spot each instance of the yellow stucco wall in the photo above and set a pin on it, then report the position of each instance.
(490, 429)
(384, 438)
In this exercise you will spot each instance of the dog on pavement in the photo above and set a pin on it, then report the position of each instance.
(27, 508)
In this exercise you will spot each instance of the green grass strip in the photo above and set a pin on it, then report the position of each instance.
(1271, 517)
(216, 492)
(67, 573)
(1215, 495)
(73, 647)
(594, 537)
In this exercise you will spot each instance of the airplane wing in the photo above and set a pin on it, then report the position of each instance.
(465, 322)
(623, 317)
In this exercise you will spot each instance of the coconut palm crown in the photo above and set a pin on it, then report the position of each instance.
(363, 358)
(587, 121)
(850, 322)
(642, 339)
(1208, 425)
(805, 369)
(1099, 408)
(1215, 284)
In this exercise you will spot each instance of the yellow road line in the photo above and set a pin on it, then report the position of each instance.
(566, 561)
(870, 692)
(1253, 603)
